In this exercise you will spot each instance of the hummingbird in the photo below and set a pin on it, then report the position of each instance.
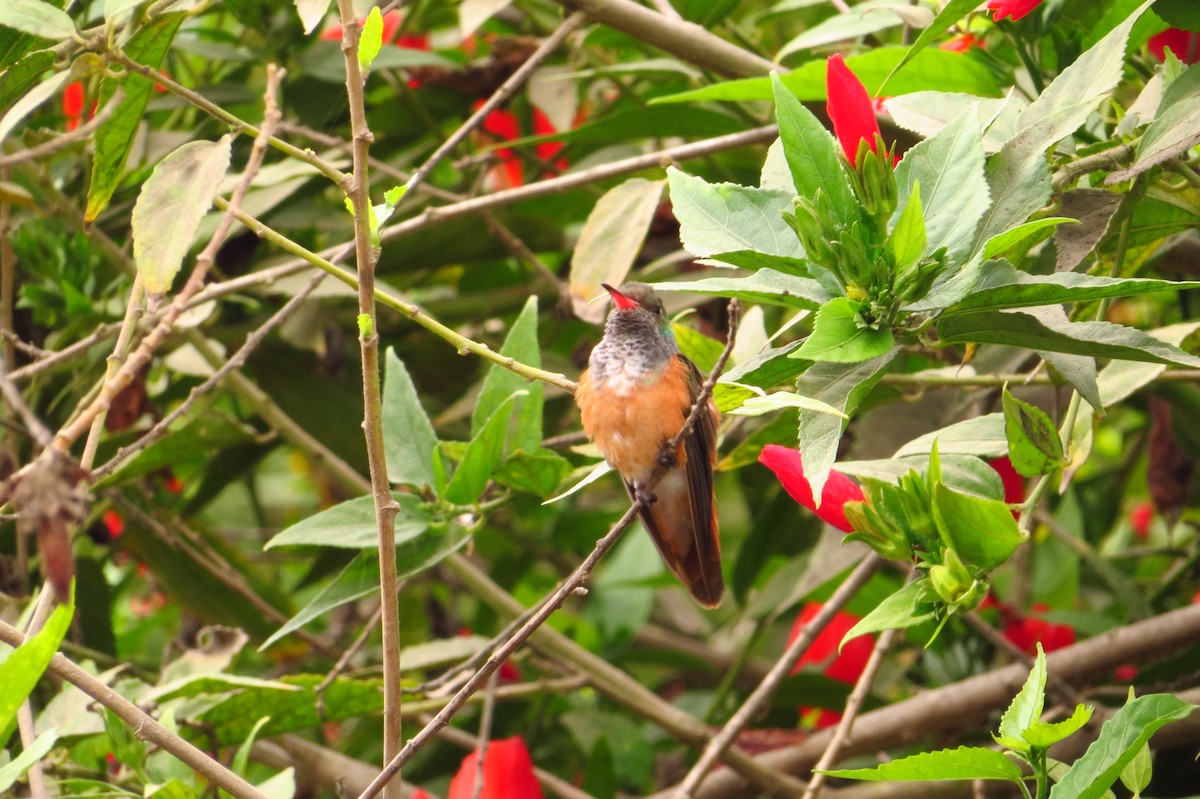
(633, 399)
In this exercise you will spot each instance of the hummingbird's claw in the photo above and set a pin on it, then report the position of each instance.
(667, 458)
(644, 497)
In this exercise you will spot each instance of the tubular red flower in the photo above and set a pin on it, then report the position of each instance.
(507, 773)
(1184, 44)
(72, 104)
(849, 107)
(1013, 9)
(962, 43)
(1026, 631)
(839, 489)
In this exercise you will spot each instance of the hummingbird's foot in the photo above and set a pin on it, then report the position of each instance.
(667, 458)
(644, 497)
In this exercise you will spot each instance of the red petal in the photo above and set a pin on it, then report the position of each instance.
(507, 773)
(849, 107)
(1013, 9)
(1140, 518)
(845, 667)
(839, 489)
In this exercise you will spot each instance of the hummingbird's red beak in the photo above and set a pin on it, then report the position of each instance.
(620, 300)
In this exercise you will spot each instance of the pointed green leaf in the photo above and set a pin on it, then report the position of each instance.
(15, 769)
(843, 387)
(20, 672)
(170, 206)
(1043, 734)
(36, 18)
(1033, 442)
(114, 139)
(370, 39)
(18, 79)
(1136, 774)
(766, 370)
(950, 168)
(764, 286)
(537, 472)
(718, 218)
(907, 240)
(813, 155)
(1026, 707)
(840, 336)
(1121, 737)
(351, 525)
(1002, 241)
(29, 103)
(898, 611)
(951, 13)
(483, 455)
(964, 763)
(408, 436)
(525, 428)
(982, 531)
(982, 436)
(1027, 329)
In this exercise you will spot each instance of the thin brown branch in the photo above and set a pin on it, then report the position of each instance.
(485, 732)
(779, 672)
(854, 703)
(145, 727)
(685, 40)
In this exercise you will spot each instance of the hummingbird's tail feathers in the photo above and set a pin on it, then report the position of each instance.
(691, 551)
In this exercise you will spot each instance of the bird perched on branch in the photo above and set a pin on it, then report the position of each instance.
(634, 398)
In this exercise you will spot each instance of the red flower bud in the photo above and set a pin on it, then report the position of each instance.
(849, 107)
(838, 490)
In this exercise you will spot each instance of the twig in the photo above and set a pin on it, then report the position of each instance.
(565, 588)
(162, 426)
(12, 396)
(64, 140)
(485, 732)
(133, 310)
(366, 255)
(667, 10)
(854, 702)
(8, 272)
(779, 672)
(145, 727)
(685, 40)
(344, 660)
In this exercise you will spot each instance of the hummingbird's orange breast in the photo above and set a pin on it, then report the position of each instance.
(630, 422)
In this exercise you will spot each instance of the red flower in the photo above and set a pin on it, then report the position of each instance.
(419, 793)
(1013, 9)
(1184, 44)
(1027, 631)
(849, 107)
(507, 773)
(846, 666)
(72, 104)
(1140, 518)
(1126, 673)
(1014, 483)
(503, 125)
(113, 523)
(962, 43)
(839, 489)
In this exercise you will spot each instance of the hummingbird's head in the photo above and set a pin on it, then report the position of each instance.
(634, 297)
(637, 312)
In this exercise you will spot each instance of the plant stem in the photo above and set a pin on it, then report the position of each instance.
(366, 254)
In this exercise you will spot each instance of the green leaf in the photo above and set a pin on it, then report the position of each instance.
(982, 531)
(945, 19)
(766, 370)
(725, 217)
(524, 430)
(15, 769)
(950, 169)
(1002, 286)
(908, 238)
(1033, 442)
(37, 19)
(839, 335)
(114, 139)
(537, 472)
(170, 206)
(1019, 181)
(1002, 241)
(20, 672)
(982, 436)
(697, 347)
(1025, 329)
(23, 75)
(114, 10)
(1044, 734)
(842, 387)
(963, 763)
(483, 455)
(1175, 129)
(408, 436)
(758, 405)
(929, 69)
(610, 242)
(370, 39)
(351, 525)
(813, 156)
(1136, 774)
(898, 611)
(360, 578)
(1026, 707)
(862, 19)
(1121, 737)
(765, 286)
(30, 101)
